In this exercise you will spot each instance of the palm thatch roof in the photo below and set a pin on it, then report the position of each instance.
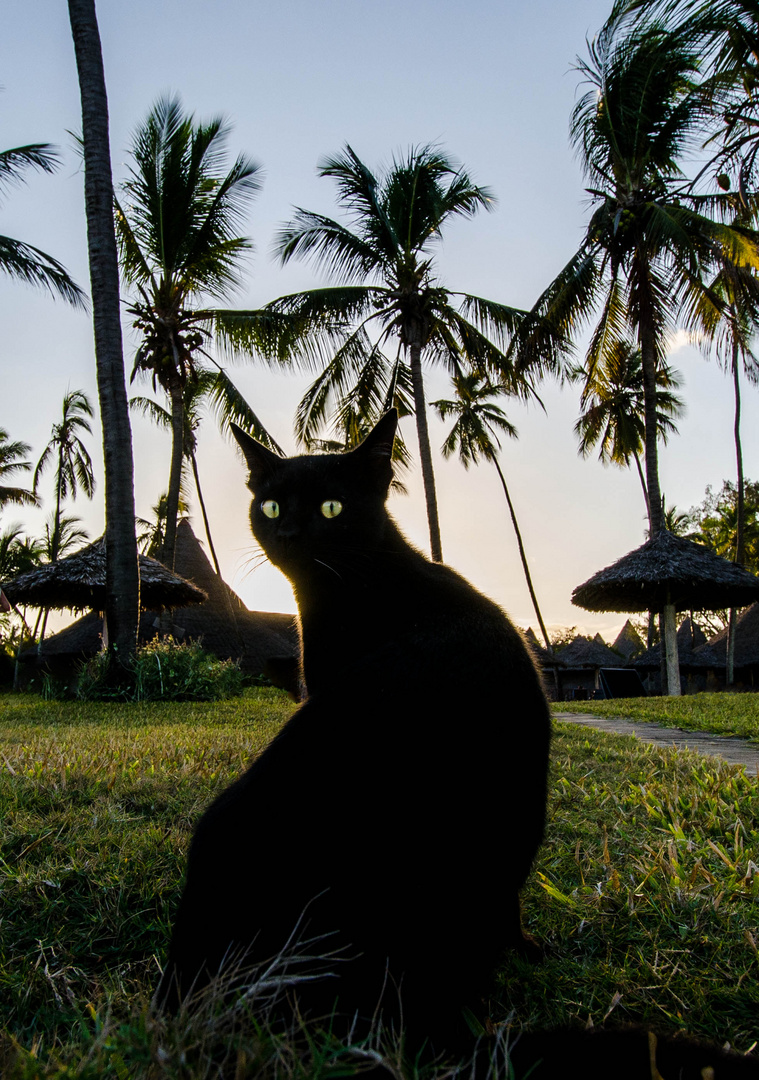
(541, 654)
(78, 582)
(221, 622)
(628, 641)
(713, 654)
(585, 652)
(689, 637)
(668, 569)
(224, 625)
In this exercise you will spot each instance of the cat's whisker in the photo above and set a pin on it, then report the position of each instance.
(328, 567)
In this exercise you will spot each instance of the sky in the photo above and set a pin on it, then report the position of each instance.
(493, 84)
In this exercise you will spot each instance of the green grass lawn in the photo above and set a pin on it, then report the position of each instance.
(644, 894)
(723, 714)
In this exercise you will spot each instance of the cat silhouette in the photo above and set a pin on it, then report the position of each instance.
(396, 815)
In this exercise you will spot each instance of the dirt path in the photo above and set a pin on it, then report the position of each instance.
(733, 750)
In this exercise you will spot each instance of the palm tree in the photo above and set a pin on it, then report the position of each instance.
(384, 265)
(22, 261)
(122, 575)
(152, 535)
(177, 239)
(726, 32)
(613, 404)
(217, 389)
(646, 248)
(475, 434)
(11, 454)
(18, 552)
(73, 464)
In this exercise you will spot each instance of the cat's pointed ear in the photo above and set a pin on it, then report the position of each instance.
(260, 461)
(376, 450)
(379, 442)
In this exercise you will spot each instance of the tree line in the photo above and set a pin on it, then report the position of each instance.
(662, 248)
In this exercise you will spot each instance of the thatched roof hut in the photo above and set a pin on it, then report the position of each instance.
(586, 652)
(261, 642)
(690, 637)
(223, 623)
(628, 641)
(78, 582)
(668, 569)
(713, 654)
(541, 654)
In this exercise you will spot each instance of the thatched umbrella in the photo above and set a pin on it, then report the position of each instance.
(78, 582)
(668, 573)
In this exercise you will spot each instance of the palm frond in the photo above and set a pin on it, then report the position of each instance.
(29, 264)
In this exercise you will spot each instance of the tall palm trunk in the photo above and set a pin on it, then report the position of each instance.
(175, 473)
(648, 351)
(740, 511)
(642, 479)
(122, 574)
(425, 453)
(523, 556)
(206, 525)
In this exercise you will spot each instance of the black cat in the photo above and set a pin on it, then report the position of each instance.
(400, 808)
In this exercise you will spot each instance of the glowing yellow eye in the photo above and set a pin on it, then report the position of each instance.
(270, 508)
(331, 508)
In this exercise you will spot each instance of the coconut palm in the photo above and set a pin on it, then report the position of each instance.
(18, 552)
(11, 461)
(383, 261)
(122, 604)
(20, 260)
(613, 404)
(647, 248)
(218, 390)
(71, 460)
(726, 33)
(475, 434)
(152, 531)
(177, 231)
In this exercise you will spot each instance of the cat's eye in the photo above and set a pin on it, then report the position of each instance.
(331, 508)
(270, 508)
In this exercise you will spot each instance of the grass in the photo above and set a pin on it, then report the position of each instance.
(722, 714)
(644, 894)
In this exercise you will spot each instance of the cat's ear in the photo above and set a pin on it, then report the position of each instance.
(377, 447)
(260, 461)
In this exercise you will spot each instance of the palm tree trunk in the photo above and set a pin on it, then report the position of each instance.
(205, 515)
(523, 557)
(740, 513)
(648, 352)
(643, 485)
(175, 473)
(425, 453)
(122, 574)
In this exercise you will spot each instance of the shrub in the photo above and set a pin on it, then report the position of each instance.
(164, 670)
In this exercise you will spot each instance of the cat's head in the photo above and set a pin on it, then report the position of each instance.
(320, 509)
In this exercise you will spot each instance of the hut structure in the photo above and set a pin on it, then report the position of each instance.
(668, 573)
(690, 637)
(548, 663)
(628, 642)
(583, 659)
(261, 642)
(710, 659)
(78, 582)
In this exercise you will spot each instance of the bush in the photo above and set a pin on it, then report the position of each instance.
(163, 670)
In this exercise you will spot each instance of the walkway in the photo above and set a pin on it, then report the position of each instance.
(733, 750)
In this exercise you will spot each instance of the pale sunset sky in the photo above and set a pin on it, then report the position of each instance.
(493, 84)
